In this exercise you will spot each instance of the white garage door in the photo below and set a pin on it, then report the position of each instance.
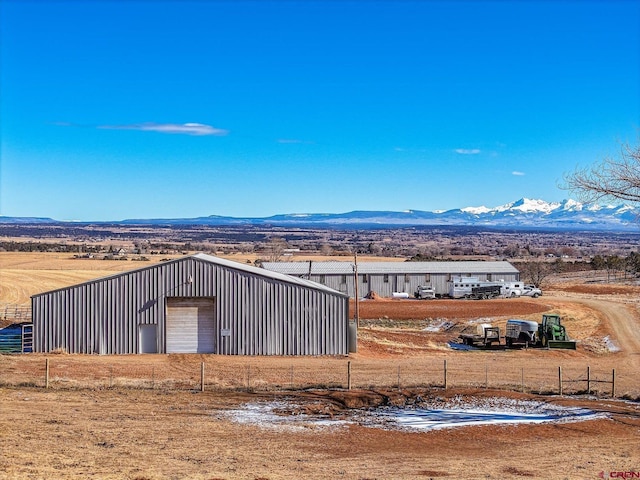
(190, 325)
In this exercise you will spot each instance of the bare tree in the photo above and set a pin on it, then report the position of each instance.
(275, 249)
(326, 249)
(535, 272)
(613, 178)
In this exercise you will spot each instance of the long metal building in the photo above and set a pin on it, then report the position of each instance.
(385, 278)
(196, 304)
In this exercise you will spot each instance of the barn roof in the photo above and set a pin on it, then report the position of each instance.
(278, 276)
(346, 268)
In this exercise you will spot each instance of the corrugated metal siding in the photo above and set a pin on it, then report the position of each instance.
(255, 314)
(333, 273)
(397, 282)
(301, 269)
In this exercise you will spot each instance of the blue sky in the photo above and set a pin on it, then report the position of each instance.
(164, 109)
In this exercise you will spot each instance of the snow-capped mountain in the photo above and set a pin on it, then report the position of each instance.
(523, 213)
(568, 214)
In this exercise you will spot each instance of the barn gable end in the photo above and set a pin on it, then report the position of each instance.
(196, 304)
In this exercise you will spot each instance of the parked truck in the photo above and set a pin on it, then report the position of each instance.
(531, 291)
(424, 292)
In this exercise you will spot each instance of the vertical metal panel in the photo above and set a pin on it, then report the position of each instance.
(396, 283)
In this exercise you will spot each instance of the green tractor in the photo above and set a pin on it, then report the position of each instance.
(552, 334)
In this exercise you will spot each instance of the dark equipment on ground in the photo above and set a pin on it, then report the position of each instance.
(485, 336)
(552, 334)
(424, 292)
(486, 291)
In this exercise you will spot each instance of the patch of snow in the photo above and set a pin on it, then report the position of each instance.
(439, 419)
(431, 415)
(528, 205)
(476, 321)
(265, 415)
(611, 345)
(461, 412)
(475, 210)
(571, 205)
(438, 326)
(625, 208)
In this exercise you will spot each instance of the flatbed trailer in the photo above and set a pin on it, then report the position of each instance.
(485, 336)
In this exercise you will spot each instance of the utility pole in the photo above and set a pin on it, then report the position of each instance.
(355, 281)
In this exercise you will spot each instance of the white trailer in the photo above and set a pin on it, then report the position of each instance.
(512, 289)
(521, 332)
(469, 287)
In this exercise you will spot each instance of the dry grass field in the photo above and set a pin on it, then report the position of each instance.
(144, 417)
(24, 274)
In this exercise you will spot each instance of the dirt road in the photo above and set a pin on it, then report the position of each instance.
(622, 320)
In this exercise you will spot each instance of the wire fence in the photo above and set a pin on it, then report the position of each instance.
(14, 313)
(62, 372)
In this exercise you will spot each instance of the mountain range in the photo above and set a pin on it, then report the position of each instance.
(523, 213)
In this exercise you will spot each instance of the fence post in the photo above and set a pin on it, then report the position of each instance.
(445, 374)
(613, 383)
(588, 380)
(560, 380)
(46, 374)
(486, 376)
(349, 375)
(202, 376)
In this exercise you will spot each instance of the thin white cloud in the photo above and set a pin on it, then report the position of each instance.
(517, 174)
(198, 129)
(467, 151)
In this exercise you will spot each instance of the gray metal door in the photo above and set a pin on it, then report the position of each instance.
(190, 325)
(148, 339)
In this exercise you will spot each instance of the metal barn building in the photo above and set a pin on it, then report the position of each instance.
(196, 304)
(385, 278)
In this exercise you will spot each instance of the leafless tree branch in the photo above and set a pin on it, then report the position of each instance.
(613, 178)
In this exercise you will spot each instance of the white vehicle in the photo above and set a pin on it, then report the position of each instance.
(512, 289)
(523, 332)
(531, 291)
(469, 287)
(424, 292)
